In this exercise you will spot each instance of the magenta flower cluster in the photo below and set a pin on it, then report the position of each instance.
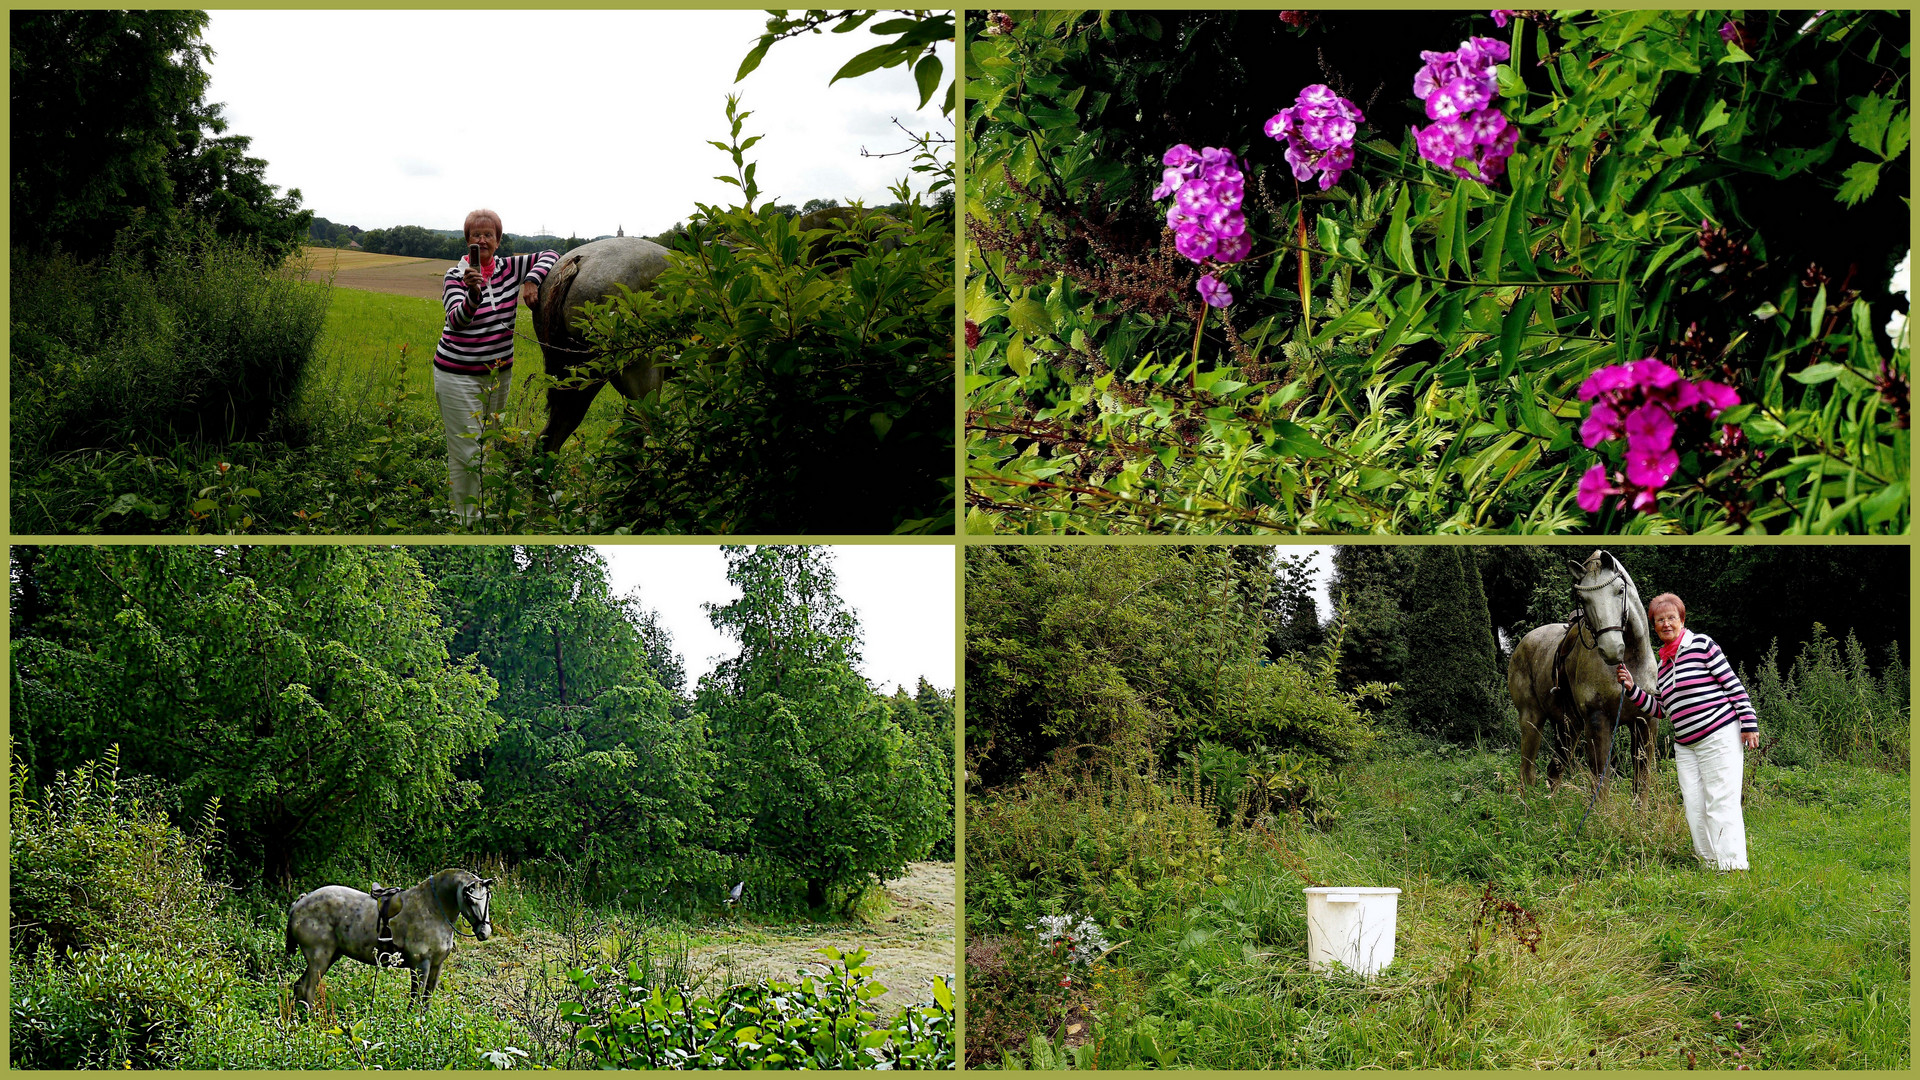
(1318, 132)
(1458, 88)
(1641, 401)
(1207, 222)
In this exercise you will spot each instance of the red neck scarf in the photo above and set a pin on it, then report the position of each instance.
(1671, 649)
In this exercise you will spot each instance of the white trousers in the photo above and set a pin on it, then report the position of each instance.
(1710, 775)
(469, 404)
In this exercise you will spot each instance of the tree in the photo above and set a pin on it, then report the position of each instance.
(1446, 687)
(1368, 581)
(1293, 614)
(110, 132)
(309, 689)
(598, 762)
(827, 788)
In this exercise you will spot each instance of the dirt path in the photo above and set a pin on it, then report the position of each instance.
(520, 972)
(909, 944)
(393, 274)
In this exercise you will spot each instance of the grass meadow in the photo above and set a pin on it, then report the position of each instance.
(1523, 941)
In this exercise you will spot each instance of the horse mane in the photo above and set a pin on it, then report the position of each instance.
(445, 888)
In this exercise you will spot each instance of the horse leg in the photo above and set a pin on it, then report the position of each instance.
(433, 979)
(1529, 746)
(319, 959)
(566, 408)
(1599, 746)
(1559, 755)
(640, 378)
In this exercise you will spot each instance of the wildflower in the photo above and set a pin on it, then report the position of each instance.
(1458, 89)
(973, 334)
(999, 22)
(1500, 17)
(1207, 219)
(1318, 131)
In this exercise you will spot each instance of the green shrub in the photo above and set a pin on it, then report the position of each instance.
(91, 863)
(207, 344)
(112, 1006)
(1830, 707)
(804, 398)
(1101, 836)
(819, 1022)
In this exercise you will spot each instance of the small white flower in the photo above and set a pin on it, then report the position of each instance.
(1900, 283)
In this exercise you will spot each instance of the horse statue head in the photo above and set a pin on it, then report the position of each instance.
(1615, 618)
(472, 897)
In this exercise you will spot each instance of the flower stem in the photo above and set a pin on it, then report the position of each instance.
(1194, 379)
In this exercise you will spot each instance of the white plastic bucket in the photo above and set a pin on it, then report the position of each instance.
(1352, 927)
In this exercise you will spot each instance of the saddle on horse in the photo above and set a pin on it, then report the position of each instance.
(388, 897)
(1562, 677)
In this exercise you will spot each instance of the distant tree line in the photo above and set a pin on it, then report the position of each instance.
(361, 709)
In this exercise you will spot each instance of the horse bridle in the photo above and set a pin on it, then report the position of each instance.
(486, 904)
(1587, 629)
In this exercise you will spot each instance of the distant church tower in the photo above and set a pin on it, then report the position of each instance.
(620, 231)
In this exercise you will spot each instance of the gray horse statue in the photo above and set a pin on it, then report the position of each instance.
(335, 921)
(591, 273)
(1561, 676)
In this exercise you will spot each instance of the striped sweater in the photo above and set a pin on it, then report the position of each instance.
(476, 341)
(1698, 692)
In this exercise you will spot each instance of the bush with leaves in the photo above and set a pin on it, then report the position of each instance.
(800, 396)
(1416, 351)
(814, 1022)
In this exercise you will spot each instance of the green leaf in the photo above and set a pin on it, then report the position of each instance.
(1030, 315)
(1818, 373)
(1819, 312)
(1861, 178)
(1867, 127)
(1399, 237)
(1443, 239)
(1716, 117)
(1494, 255)
(753, 57)
(873, 60)
(926, 75)
(1017, 356)
(1293, 439)
(1392, 334)
(1512, 329)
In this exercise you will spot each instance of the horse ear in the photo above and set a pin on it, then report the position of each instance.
(488, 882)
(1579, 569)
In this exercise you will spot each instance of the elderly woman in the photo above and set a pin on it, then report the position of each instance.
(473, 364)
(1712, 719)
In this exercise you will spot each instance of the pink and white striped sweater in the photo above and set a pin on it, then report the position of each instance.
(1698, 691)
(479, 338)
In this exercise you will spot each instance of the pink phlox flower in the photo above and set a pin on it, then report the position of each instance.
(1318, 130)
(1195, 245)
(1606, 381)
(1213, 291)
(1649, 427)
(1653, 374)
(1601, 424)
(1233, 249)
(1719, 396)
(1645, 499)
(1594, 489)
(1458, 90)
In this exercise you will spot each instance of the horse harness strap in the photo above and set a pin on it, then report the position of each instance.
(388, 898)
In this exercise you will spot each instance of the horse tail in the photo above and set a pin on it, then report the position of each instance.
(293, 944)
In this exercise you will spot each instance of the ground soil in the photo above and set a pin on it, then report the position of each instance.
(521, 972)
(393, 274)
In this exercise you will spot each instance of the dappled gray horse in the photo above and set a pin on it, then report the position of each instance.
(1561, 676)
(593, 273)
(335, 921)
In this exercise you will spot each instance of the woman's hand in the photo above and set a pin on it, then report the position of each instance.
(529, 293)
(473, 280)
(1750, 740)
(1626, 677)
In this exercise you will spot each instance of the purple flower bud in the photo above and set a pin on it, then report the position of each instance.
(1728, 31)
(1500, 17)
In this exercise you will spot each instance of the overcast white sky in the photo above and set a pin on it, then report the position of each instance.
(902, 595)
(577, 121)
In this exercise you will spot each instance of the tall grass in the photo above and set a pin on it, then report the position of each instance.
(1829, 706)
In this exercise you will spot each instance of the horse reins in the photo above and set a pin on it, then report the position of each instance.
(1585, 627)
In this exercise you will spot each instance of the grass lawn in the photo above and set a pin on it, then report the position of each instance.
(1642, 958)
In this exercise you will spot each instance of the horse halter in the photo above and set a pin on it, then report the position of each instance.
(1587, 630)
(486, 917)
